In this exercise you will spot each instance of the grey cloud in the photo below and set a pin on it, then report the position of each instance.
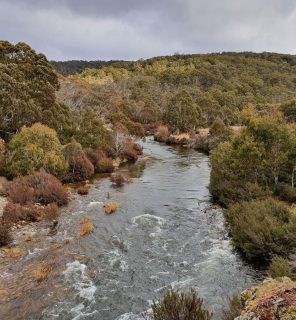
(133, 29)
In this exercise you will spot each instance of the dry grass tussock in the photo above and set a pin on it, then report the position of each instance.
(42, 272)
(85, 229)
(84, 189)
(111, 207)
(117, 179)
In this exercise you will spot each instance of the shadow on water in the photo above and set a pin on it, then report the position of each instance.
(166, 233)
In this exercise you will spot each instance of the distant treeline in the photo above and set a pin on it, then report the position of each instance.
(67, 68)
(77, 66)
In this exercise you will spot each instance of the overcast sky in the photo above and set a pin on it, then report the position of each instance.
(134, 29)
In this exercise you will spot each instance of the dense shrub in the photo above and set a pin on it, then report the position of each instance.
(14, 212)
(279, 267)
(80, 167)
(175, 306)
(35, 148)
(100, 161)
(117, 179)
(229, 192)
(219, 132)
(263, 228)
(46, 189)
(285, 192)
(5, 237)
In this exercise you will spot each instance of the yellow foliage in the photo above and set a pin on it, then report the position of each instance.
(13, 252)
(111, 207)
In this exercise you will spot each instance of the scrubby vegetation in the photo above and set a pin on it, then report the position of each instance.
(262, 228)
(279, 267)
(180, 306)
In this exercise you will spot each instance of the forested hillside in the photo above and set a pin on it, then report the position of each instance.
(191, 89)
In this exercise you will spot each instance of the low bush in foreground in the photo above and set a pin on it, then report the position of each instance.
(263, 228)
(180, 306)
(279, 267)
(40, 187)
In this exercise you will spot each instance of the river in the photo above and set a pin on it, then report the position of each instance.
(166, 233)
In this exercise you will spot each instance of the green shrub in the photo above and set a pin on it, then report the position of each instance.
(175, 306)
(234, 309)
(279, 267)
(263, 228)
(285, 192)
(35, 148)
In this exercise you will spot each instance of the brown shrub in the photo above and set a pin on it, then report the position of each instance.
(51, 212)
(117, 179)
(111, 207)
(19, 192)
(104, 165)
(40, 187)
(162, 134)
(131, 150)
(14, 212)
(83, 190)
(93, 155)
(5, 237)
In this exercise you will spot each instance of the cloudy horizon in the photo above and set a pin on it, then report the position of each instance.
(135, 29)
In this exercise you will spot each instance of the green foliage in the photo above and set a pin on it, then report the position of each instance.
(289, 110)
(285, 192)
(35, 148)
(261, 156)
(279, 267)
(234, 309)
(28, 90)
(175, 306)
(263, 228)
(182, 112)
(219, 132)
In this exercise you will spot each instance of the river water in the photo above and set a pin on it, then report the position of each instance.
(166, 233)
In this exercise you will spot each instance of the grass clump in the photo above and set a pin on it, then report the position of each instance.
(42, 272)
(111, 207)
(279, 267)
(261, 229)
(117, 179)
(83, 190)
(85, 229)
(180, 306)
